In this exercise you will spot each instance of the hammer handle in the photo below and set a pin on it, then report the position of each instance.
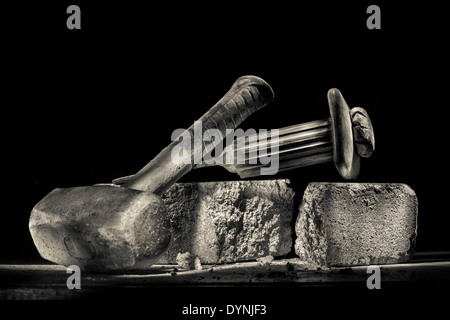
(247, 95)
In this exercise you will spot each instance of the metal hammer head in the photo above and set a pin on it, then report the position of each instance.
(101, 228)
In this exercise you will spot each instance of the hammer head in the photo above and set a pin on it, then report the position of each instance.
(101, 228)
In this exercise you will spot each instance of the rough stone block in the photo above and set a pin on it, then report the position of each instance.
(349, 224)
(229, 221)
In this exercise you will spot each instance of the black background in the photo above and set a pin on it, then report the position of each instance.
(90, 105)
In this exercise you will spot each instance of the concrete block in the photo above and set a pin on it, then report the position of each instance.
(229, 221)
(349, 224)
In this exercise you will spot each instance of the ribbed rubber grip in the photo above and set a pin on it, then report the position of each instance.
(247, 95)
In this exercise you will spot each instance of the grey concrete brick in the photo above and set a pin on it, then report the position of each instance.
(229, 221)
(348, 224)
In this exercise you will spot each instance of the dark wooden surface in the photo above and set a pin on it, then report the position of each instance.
(426, 276)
